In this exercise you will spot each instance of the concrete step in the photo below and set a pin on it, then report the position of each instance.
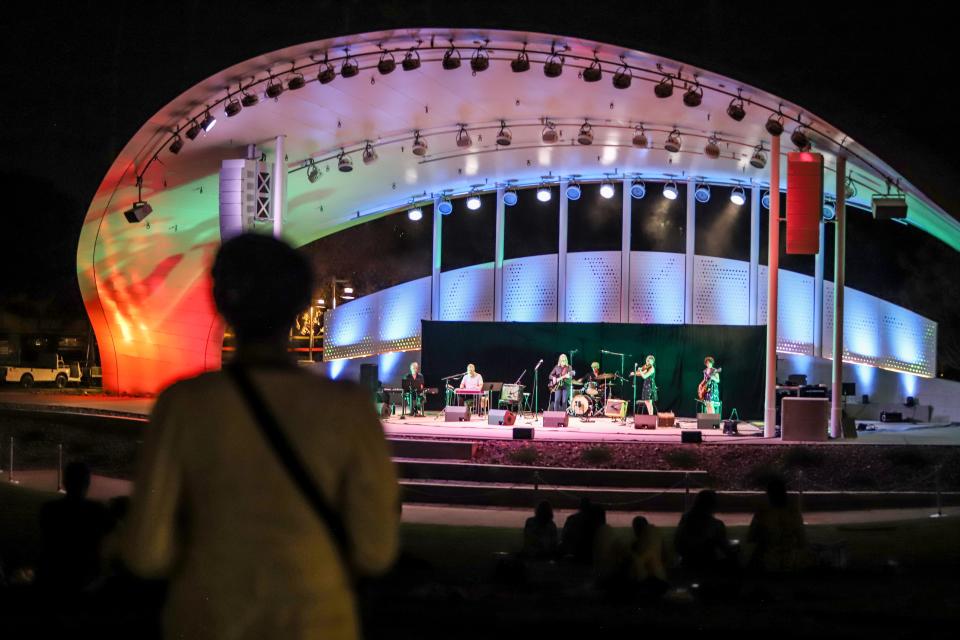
(432, 449)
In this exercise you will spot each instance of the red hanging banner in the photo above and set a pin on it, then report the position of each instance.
(804, 202)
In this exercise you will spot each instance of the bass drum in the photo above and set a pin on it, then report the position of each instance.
(580, 405)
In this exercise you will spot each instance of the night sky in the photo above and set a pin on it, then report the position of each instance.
(80, 78)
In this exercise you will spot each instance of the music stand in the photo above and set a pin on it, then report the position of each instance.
(488, 390)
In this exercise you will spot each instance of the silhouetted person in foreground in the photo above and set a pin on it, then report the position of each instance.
(72, 528)
(248, 553)
(776, 533)
(701, 538)
(579, 532)
(647, 574)
(540, 538)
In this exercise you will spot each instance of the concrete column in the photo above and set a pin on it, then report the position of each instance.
(562, 256)
(818, 297)
(689, 262)
(839, 280)
(435, 270)
(754, 255)
(773, 277)
(625, 253)
(498, 257)
(279, 191)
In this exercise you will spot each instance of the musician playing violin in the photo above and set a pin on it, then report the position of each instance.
(559, 380)
(649, 393)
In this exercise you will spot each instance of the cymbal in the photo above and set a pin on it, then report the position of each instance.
(605, 376)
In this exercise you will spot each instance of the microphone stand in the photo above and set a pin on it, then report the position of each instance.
(633, 407)
(446, 384)
(519, 393)
(536, 394)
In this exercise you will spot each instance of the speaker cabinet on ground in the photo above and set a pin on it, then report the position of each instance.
(456, 414)
(691, 437)
(523, 433)
(708, 421)
(501, 417)
(615, 408)
(644, 421)
(804, 419)
(730, 428)
(666, 419)
(555, 418)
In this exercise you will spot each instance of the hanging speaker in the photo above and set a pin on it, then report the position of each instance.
(804, 202)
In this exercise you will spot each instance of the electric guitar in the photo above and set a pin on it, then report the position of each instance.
(555, 382)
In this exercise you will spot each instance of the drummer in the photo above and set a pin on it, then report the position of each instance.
(593, 379)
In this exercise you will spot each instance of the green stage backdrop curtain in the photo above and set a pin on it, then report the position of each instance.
(502, 350)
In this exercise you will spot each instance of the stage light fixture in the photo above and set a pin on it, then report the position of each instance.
(573, 191)
(249, 99)
(445, 207)
(674, 142)
(550, 134)
(799, 138)
(702, 193)
(313, 173)
(411, 61)
(176, 145)
(622, 77)
(344, 163)
(594, 72)
(208, 123)
(664, 88)
(712, 148)
(510, 197)
(640, 138)
(850, 188)
(638, 189)
(419, 145)
(473, 202)
(543, 193)
(415, 214)
(463, 137)
(765, 200)
(480, 61)
(607, 190)
(521, 63)
(504, 137)
(553, 67)
(670, 191)
(774, 124)
(349, 68)
(735, 109)
(326, 74)
(348, 290)
(451, 58)
(829, 210)
(233, 108)
(297, 81)
(369, 154)
(585, 135)
(274, 88)
(693, 96)
(386, 64)
(759, 158)
(738, 196)
(193, 130)
(138, 212)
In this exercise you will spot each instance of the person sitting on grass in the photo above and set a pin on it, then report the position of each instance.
(579, 531)
(540, 539)
(646, 571)
(701, 538)
(776, 533)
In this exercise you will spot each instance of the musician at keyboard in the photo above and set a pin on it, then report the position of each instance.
(414, 387)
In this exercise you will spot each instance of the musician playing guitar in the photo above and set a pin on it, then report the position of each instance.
(413, 389)
(559, 384)
(709, 389)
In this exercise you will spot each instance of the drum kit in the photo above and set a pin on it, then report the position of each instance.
(590, 396)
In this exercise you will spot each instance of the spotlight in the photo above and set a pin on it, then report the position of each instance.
(326, 74)
(850, 188)
(829, 210)
(712, 148)
(419, 145)
(313, 173)
(296, 82)
(415, 214)
(607, 190)
(702, 193)
(640, 138)
(193, 131)
(451, 58)
(510, 197)
(473, 202)
(664, 88)
(138, 212)
(521, 63)
(411, 61)
(738, 196)
(349, 68)
(799, 138)
(480, 61)
(638, 189)
(233, 108)
(759, 159)
(504, 137)
(176, 145)
(463, 137)
(622, 77)
(585, 135)
(674, 142)
(774, 124)
(553, 67)
(573, 191)
(386, 64)
(543, 193)
(274, 88)
(208, 123)
(369, 154)
(249, 99)
(735, 109)
(670, 191)
(550, 133)
(593, 73)
(693, 96)
(765, 200)
(344, 163)
(445, 207)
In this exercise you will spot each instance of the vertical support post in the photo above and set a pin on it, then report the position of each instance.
(754, 311)
(818, 297)
(279, 192)
(773, 278)
(435, 269)
(562, 256)
(499, 226)
(10, 468)
(60, 467)
(313, 322)
(689, 257)
(839, 280)
(627, 211)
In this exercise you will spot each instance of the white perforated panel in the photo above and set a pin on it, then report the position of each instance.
(385, 321)
(467, 294)
(794, 313)
(656, 287)
(762, 294)
(593, 286)
(530, 289)
(721, 291)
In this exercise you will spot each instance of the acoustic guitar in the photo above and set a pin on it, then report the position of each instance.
(702, 387)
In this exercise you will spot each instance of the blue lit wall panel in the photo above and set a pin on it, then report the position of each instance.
(721, 291)
(656, 287)
(467, 294)
(530, 289)
(593, 286)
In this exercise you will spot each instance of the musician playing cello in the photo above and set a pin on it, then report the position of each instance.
(648, 393)
(709, 389)
(559, 382)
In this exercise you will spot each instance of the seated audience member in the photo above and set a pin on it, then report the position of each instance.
(609, 551)
(646, 571)
(540, 539)
(776, 533)
(578, 532)
(701, 538)
(72, 529)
